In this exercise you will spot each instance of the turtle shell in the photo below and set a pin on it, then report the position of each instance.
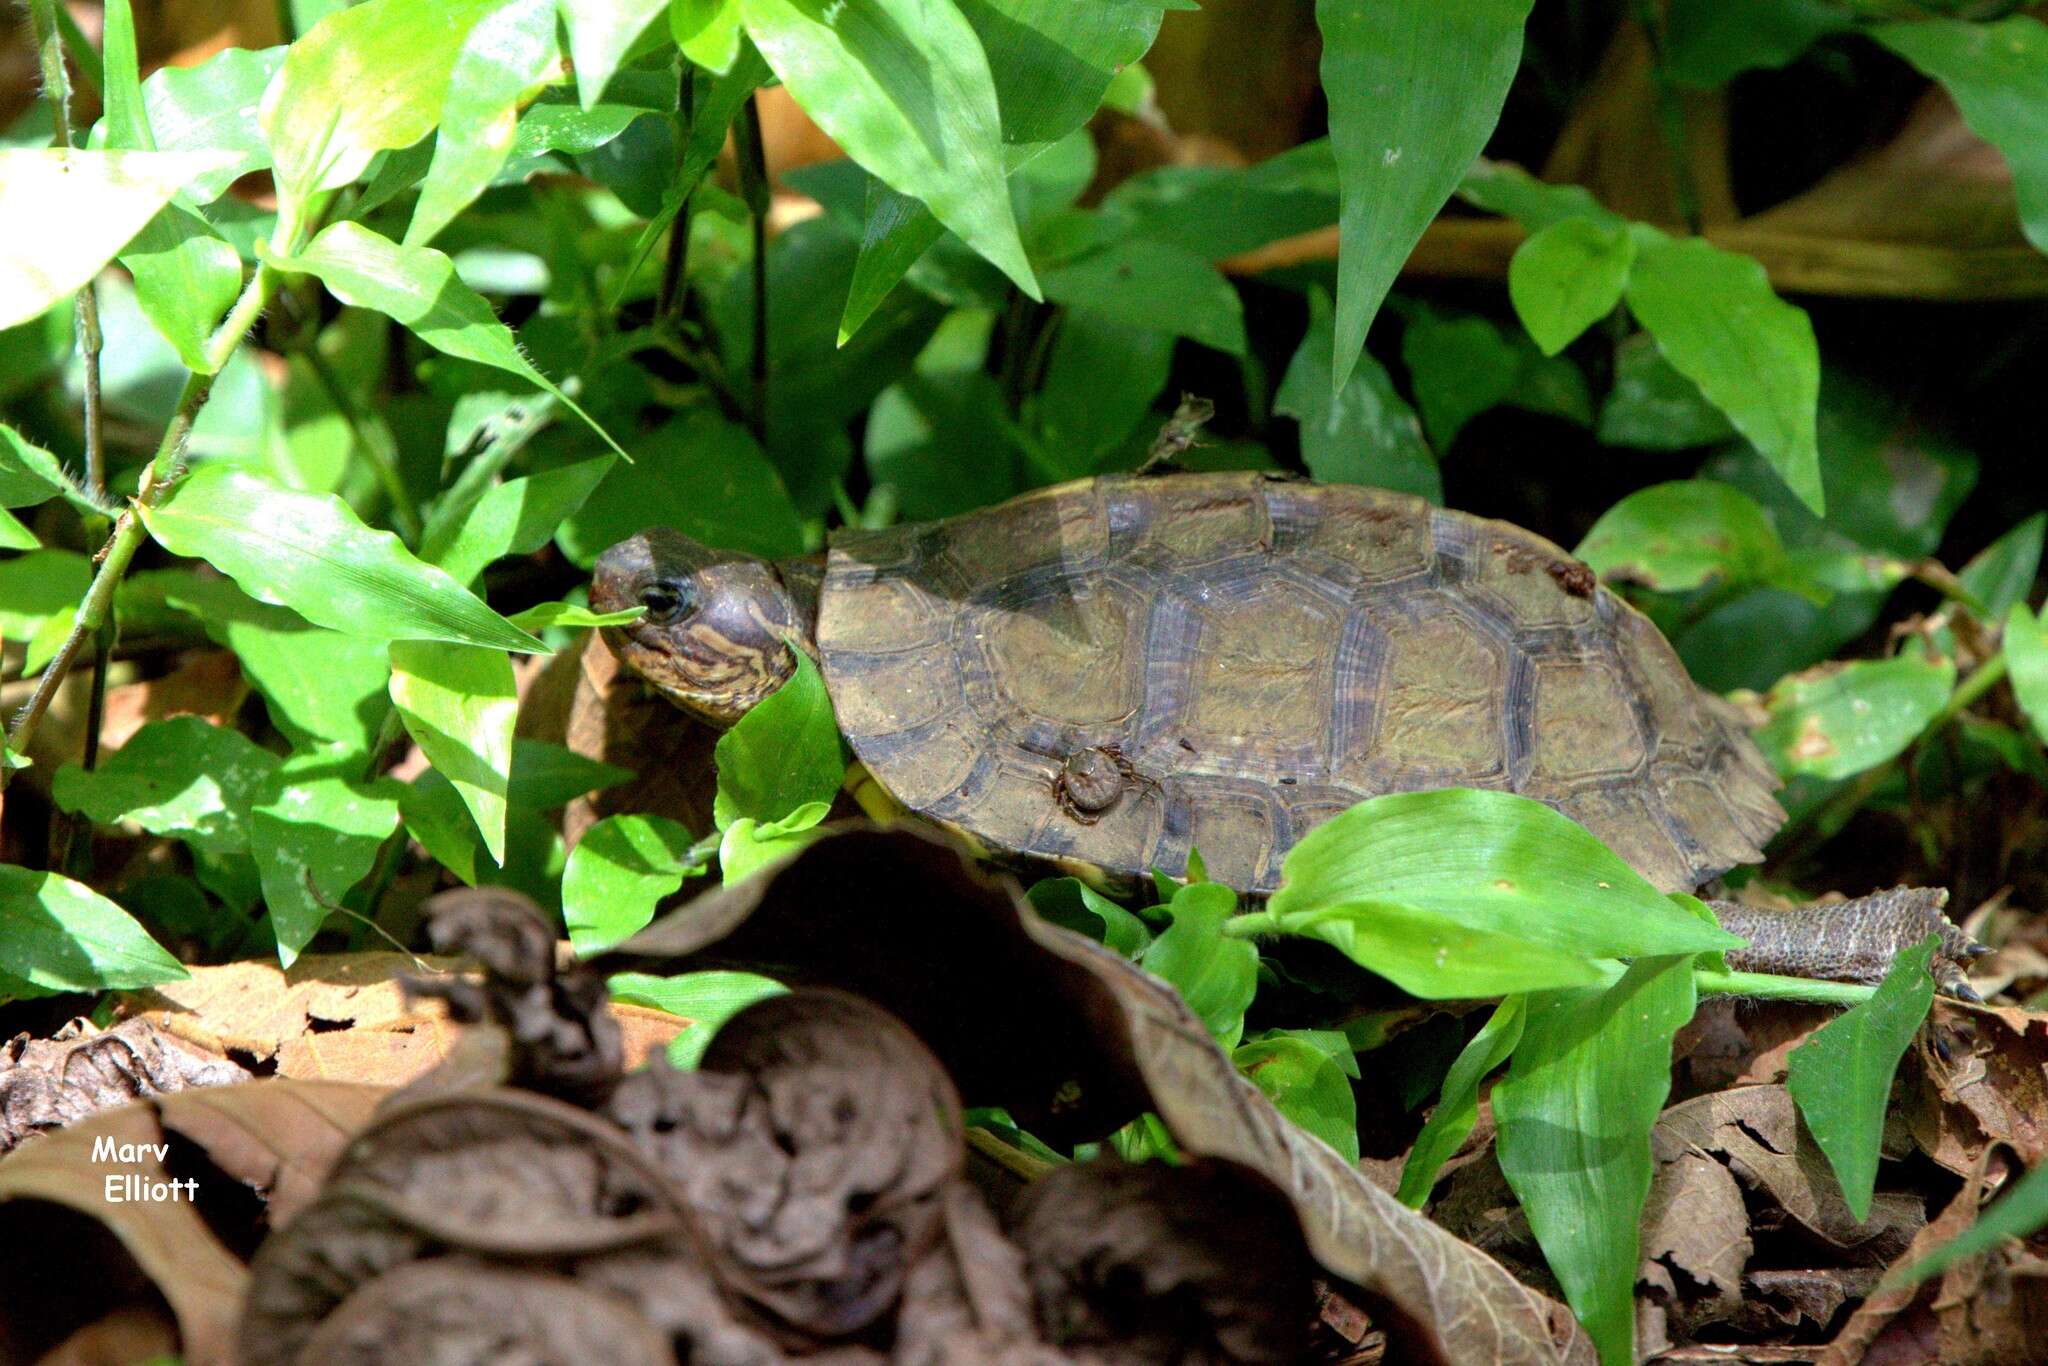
(1123, 669)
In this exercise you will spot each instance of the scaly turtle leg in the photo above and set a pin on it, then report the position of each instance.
(1851, 941)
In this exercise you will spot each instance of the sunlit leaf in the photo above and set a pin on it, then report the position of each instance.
(708, 31)
(212, 107)
(507, 52)
(316, 837)
(459, 705)
(2026, 657)
(782, 754)
(1837, 720)
(1435, 954)
(311, 553)
(705, 999)
(61, 935)
(516, 517)
(570, 616)
(617, 873)
(746, 846)
(182, 777)
(1215, 974)
(1841, 1076)
(1415, 88)
(29, 474)
(1567, 277)
(601, 33)
(1683, 534)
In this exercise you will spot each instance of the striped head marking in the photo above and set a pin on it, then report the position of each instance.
(714, 640)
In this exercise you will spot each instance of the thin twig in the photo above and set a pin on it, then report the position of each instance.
(1670, 115)
(669, 299)
(753, 166)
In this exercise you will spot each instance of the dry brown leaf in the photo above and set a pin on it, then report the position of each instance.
(1075, 1040)
(46, 1084)
(206, 684)
(1981, 1076)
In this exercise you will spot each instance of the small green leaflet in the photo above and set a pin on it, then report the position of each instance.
(621, 868)
(601, 32)
(1307, 1074)
(181, 777)
(1364, 433)
(1214, 974)
(746, 846)
(1568, 276)
(316, 837)
(705, 999)
(61, 935)
(571, 616)
(1684, 534)
(782, 755)
(506, 54)
(458, 703)
(1457, 1109)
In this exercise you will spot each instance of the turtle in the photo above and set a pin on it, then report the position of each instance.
(1117, 672)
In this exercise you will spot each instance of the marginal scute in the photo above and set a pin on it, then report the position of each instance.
(1262, 654)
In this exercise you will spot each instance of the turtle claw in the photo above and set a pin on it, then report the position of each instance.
(1854, 941)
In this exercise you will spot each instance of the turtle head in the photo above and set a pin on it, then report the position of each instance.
(716, 635)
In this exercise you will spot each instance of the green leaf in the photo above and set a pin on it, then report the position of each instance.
(1430, 953)
(458, 703)
(943, 444)
(1457, 1108)
(310, 552)
(516, 517)
(570, 616)
(783, 754)
(1415, 88)
(2026, 656)
(2002, 574)
(1216, 975)
(700, 474)
(183, 777)
(2019, 1213)
(322, 688)
(69, 211)
(1653, 407)
(1490, 861)
(1364, 433)
(747, 845)
(316, 837)
(417, 286)
(1223, 211)
(1153, 285)
(15, 536)
(705, 999)
(1997, 74)
(904, 87)
(1502, 188)
(30, 475)
(1752, 354)
(1567, 277)
(61, 935)
(363, 80)
(1710, 42)
(1074, 905)
(1460, 367)
(617, 873)
(1682, 535)
(1575, 1112)
(1838, 720)
(212, 107)
(1306, 1083)
(507, 53)
(39, 588)
(1842, 1075)
(1100, 381)
(708, 32)
(546, 777)
(601, 33)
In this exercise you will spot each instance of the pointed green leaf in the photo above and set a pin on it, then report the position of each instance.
(1415, 88)
(1567, 277)
(507, 53)
(1364, 433)
(316, 837)
(1215, 974)
(417, 286)
(783, 754)
(183, 777)
(212, 107)
(1457, 1108)
(30, 475)
(516, 517)
(2001, 574)
(747, 846)
(601, 33)
(311, 553)
(459, 705)
(61, 935)
(1841, 1077)
(2026, 656)
(1680, 535)
(1305, 1083)
(1073, 904)
(618, 872)
(708, 32)
(904, 87)
(15, 536)
(1836, 721)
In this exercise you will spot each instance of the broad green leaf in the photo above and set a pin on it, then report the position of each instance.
(1100, 381)
(570, 616)
(38, 588)
(1838, 720)
(1653, 407)
(1457, 1108)
(363, 80)
(1997, 73)
(617, 873)
(1074, 905)
(310, 552)
(506, 54)
(1460, 367)
(1709, 42)
(69, 211)
(322, 688)
(783, 754)
(943, 444)
(29, 474)
(1751, 353)
(708, 32)
(1502, 188)
(1575, 1112)
(1415, 88)
(1365, 433)
(416, 286)
(2019, 1213)
(705, 999)
(1432, 953)
(212, 107)
(459, 705)
(15, 536)
(316, 837)
(183, 777)
(601, 33)
(516, 517)
(1051, 62)
(1842, 1075)
(1681, 535)
(2026, 657)
(546, 777)
(61, 935)
(1491, 861)
(1567, 277)
(2002, 574)
(1152, 285)
(1216, 975)
(904, 87)
(698, 473)
(1223, 211)
(747, 845)
(1306, 1083)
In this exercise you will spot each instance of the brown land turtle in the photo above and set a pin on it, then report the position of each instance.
(1120, 670)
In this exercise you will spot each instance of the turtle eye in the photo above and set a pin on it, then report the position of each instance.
(665, 601)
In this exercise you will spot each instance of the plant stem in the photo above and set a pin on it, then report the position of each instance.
(1670, 116)
(753, 166)
(374, 437)
(669, 299)
(1770, 986)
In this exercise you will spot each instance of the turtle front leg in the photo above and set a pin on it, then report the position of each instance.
(1851, 941)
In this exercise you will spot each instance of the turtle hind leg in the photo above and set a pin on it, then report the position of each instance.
(1851, 941)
